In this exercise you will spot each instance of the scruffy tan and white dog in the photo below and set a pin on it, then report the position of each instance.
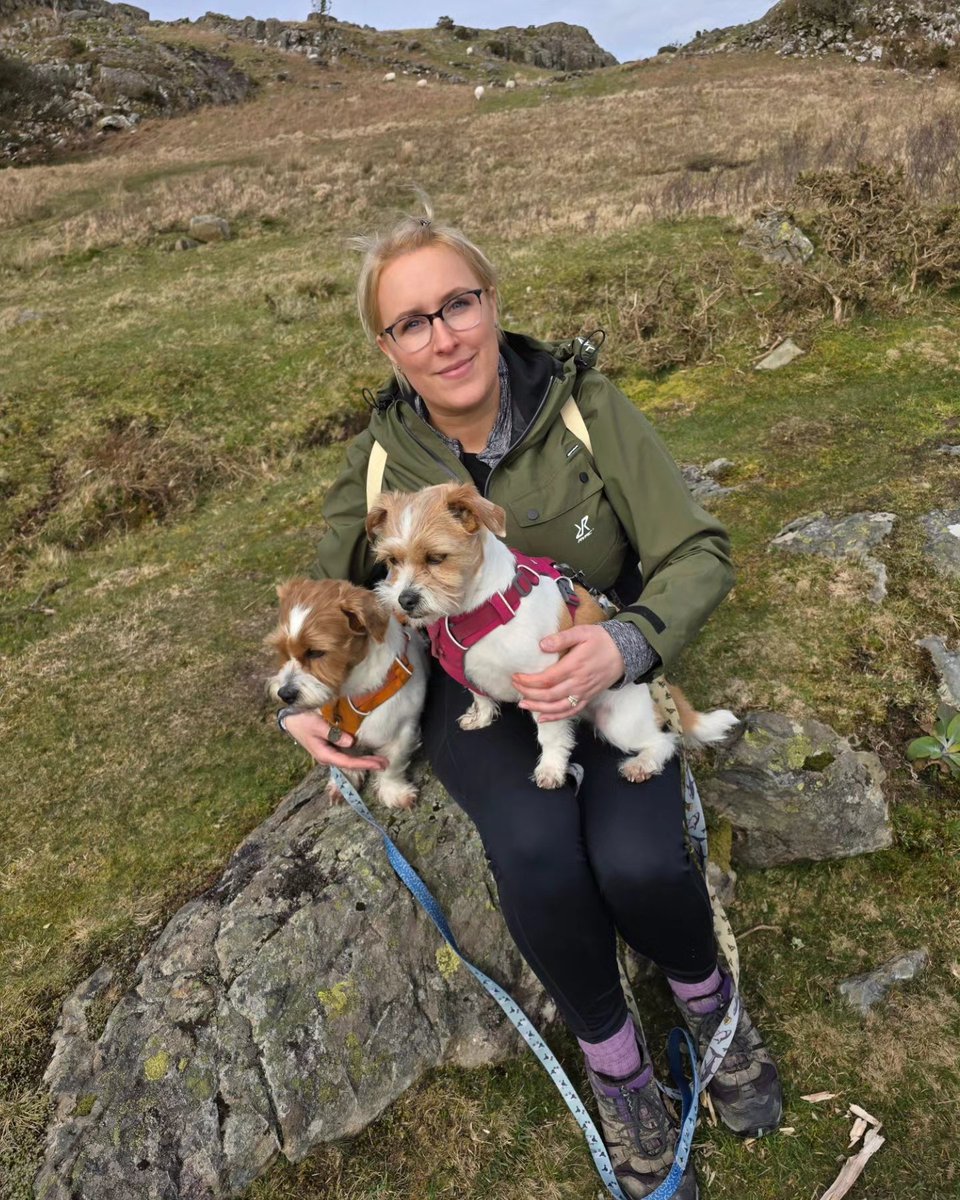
(443, 556)
(340, 651)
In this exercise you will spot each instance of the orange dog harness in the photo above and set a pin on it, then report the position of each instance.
(347, 713)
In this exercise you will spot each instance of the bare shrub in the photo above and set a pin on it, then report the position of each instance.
(127, 472)
(877, 239)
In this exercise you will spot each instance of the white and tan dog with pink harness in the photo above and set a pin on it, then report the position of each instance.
(486, 609)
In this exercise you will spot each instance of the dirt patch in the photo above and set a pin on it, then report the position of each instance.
(125, 473)
(340, 426)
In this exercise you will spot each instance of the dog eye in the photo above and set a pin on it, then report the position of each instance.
(390, 561)
(434, 560)
(314, 654)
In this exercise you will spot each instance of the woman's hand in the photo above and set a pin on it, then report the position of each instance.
(313, 733)
(590, 663)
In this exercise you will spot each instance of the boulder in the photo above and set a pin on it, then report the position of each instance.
(796, 790)
(115, 122)
(123, 81)
(209, 228)
(942, 528)
(947, 663)
(287, 1006)
(776, 239)
(853, 536)
(703, 481)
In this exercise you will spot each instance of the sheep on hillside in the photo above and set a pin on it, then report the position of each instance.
(510, 84)
(478, 91)
(421, 83)
(390, 77)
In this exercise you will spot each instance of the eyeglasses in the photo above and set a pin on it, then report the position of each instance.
(460, 313)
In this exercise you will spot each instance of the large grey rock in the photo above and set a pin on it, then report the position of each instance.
(776, 239)
(947, 663)
(124, 81)
(942, 528)
(209, 228)
(287, 1006)
(703, 482)
(862, 992)
(116, 122)
(853, 536)
(795, 790)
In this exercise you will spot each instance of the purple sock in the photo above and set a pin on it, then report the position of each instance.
(617, 1056)
(701, 997)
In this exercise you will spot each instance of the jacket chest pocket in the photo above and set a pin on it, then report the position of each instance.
(570, 520)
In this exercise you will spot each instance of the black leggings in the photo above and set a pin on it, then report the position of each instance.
(573, 867)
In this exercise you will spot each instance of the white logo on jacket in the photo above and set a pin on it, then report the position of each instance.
(583, 528)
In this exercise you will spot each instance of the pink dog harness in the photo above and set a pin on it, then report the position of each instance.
(451, 638)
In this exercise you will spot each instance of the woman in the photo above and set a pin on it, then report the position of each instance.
(577, 865)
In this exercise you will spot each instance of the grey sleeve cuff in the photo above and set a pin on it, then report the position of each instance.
(638, 655)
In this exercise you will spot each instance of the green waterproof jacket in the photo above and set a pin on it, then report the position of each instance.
(599, 511)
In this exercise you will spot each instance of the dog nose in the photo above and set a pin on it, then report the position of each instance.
(408, 600)
(288, 693)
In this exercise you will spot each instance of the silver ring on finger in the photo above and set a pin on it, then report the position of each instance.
(334, 735)
(573, 701)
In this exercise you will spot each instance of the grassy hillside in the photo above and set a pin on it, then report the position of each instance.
(169, 422)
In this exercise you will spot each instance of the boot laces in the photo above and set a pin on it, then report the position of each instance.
(647, 1121)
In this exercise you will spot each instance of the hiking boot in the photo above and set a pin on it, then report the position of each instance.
(746, 1089)
(639, 1134)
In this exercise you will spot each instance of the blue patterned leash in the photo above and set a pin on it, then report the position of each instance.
(677, 1041)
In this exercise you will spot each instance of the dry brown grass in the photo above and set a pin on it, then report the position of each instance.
(313, 156)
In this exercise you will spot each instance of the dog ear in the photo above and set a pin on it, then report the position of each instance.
(472, 510)
(275, 641)
(365, 615)
(376, 516)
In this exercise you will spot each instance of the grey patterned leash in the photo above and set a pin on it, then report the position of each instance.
(678, 1039)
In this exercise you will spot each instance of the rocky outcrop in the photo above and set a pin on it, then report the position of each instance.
(556, 46)
(87, 69)
(904, 33)
(287, 1006)
(855, 536)
(796, 790)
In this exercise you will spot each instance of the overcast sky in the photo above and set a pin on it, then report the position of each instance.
(627, 28)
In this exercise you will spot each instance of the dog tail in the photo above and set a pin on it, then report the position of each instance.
(702, 729)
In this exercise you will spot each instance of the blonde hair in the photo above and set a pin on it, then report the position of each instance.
(411, 233)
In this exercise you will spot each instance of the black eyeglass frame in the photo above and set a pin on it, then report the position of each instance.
(434, 316)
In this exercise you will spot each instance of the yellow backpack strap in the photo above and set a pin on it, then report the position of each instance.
(571, 416)
(376, 465)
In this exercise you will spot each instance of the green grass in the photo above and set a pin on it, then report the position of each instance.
(138, 749)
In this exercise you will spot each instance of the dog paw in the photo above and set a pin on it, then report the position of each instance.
(477, 717)
(639, 768)
(402, 796)
(549, 777)
(333, 793)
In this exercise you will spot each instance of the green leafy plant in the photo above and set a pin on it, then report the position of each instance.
(940, 749)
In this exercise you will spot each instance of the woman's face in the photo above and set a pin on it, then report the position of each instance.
(456, 372)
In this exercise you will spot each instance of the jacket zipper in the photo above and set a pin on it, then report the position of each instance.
(426, 449)
(530, 424)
